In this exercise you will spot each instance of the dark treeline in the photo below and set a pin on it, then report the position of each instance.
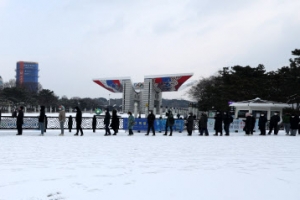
(238, 83)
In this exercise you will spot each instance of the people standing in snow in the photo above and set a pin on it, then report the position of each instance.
(150, 121)
(262, 121)
(294, 121)
(131, 122)
(190, 124)
(227, 120)
(203, 125)
(248, 124)
(20, 120)
(61, 119)
(218, 124)
(42, 120)
(78, 120)
(115, 122)
(107, 122)
(253, 121)
(169, 123)
(70, 123)
(274, 121)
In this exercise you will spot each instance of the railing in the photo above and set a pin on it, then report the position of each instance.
(52, 123)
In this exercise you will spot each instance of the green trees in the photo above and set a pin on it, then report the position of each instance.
(239, 83)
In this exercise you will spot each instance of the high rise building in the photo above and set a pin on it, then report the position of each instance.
(27, 75)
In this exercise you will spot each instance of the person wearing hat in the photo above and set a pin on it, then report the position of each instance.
(190, 124)
(20, 121)
(131, 122)
(275, 119)
(150, 120)
(61, 119)
(218, 124)
(42, 120)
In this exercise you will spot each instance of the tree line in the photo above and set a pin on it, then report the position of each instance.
(238, 83)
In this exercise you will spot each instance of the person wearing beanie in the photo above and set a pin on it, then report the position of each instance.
(20, 121)
(61, 119)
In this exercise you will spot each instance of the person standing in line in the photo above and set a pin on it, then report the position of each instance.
(203, 125)
(94, 123)
(130, 123)
(169, 123)
(275, 119)
(294, 121)
(20, 120)
(253, 121)
(286, 123)
(150, 120)
(190, 124)
(218, 124)
(62, 119)
(107, 122)
(262, 124)
(70, 123)
(227, 119)
(78, 120)
(248, 124)
(115, 122)
(42, 120)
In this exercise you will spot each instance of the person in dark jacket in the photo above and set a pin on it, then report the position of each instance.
(20, 121)
(203, 124)
(78, 120)
(115, 122)
(42, 120)
(286, 123)
(294, 121)
(70, 123)
(262, 124)
(46, 123)
(150, 121)
(169, 123)
(253, 121)
(94, 123)
(107, 122)
(275, 119)
(227, 119)
(190, 124)
(248, 124)
(218, 124)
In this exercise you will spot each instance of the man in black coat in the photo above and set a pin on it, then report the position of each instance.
(78, 120)
(227, 119)
(262, 124)
(70, 123)
(20, 121)
(275, 119)
(248, 124)
(218, 124)
(42, 120)
(203, 124)
(107, 122)
(150, 120)
(253, 121)
(294, 121)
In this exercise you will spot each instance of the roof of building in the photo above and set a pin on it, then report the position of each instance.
(257, 102)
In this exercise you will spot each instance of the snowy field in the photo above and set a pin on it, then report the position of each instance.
(94, 167)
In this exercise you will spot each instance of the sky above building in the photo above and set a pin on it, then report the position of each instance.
(75, 41)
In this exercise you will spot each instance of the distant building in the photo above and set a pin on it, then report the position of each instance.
(27, 75)
(1, 83)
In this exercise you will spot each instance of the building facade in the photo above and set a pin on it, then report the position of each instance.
(27, 75)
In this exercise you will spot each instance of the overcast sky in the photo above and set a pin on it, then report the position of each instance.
(75, 41)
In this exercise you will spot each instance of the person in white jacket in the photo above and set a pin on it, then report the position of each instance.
(61, 119)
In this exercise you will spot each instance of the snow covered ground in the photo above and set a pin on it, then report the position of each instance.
(94, 167)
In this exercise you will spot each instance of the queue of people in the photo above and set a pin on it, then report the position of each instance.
(291, 123)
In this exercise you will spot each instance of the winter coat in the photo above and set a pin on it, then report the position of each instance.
(42, 115)
(248, 124)
(62, 116)
(130, 122)
(190, 123)
(203, 121)
(107, 118)
(151, 119)
(253, 120)
(115, 121)
(78, 117)
(262, 122)
(294, 121)
(274, 120)
(218, 122)
(94, 122)
(286, 119)
(20, 118)
(227, 119)
(170, 119)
